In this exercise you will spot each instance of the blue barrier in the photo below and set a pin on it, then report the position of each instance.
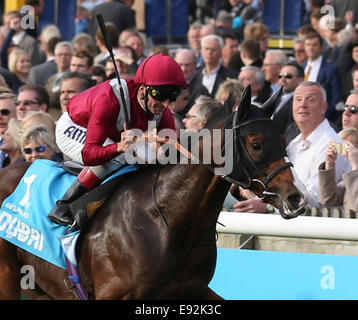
(66, 12)
(267, 275)
(293, 11)
(158, 21)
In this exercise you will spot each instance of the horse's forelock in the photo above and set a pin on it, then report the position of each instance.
(255, 113)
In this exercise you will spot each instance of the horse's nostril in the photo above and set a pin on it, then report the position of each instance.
(294, 200)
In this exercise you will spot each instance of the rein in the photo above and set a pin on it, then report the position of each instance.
(237, 141)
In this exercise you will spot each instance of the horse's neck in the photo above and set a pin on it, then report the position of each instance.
(197, 196)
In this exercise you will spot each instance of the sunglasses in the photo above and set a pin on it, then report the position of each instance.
(26, 102)
(5, 112)
(285, 75)
(163, 93)
(353, 109)
(38, 149)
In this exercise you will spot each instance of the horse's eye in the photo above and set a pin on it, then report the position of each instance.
(256, 146)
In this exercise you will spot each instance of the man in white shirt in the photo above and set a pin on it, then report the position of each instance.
(307, 150)
(211, 52)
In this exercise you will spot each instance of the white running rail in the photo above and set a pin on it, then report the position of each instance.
(300, 227)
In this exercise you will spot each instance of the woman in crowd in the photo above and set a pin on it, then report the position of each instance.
(345, 192)
(19, 66)
(38, 118)
(11, 143)
(231, 87)
(38, 143)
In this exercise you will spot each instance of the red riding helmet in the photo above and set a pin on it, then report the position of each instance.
(159, 70)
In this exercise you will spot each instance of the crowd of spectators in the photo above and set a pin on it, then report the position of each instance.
(225, 52)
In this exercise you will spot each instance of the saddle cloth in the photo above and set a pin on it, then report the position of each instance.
(23, 214)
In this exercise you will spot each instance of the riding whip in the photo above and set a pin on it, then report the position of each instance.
(109, 48)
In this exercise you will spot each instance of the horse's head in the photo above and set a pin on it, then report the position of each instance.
(259, 159)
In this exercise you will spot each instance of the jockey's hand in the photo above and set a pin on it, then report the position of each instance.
(154, 144)
(128, 137)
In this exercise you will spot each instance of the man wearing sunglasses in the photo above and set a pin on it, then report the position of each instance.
(31, 97)
(350, 114)
(290, 76)
(99, 111)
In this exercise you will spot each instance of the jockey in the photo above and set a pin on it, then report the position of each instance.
(93, 131)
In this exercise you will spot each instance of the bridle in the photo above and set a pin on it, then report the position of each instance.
(265, 178)
(235, 180)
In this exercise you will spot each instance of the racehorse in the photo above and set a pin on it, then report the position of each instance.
(155, 236)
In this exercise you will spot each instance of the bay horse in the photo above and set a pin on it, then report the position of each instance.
(155, 236)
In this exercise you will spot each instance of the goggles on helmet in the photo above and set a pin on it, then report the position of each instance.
(165, 92)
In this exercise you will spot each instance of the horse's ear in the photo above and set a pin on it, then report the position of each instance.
(270, 105)
(243, 108)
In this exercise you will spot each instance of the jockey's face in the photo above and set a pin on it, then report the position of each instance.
(154, 106)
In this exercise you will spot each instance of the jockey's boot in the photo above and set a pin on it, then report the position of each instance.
(61, 213)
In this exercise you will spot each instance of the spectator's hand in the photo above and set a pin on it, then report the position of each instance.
(331, 156)
(15, 24)
(247, 194)
(352, 155)
(251, 205)
(244, 193)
